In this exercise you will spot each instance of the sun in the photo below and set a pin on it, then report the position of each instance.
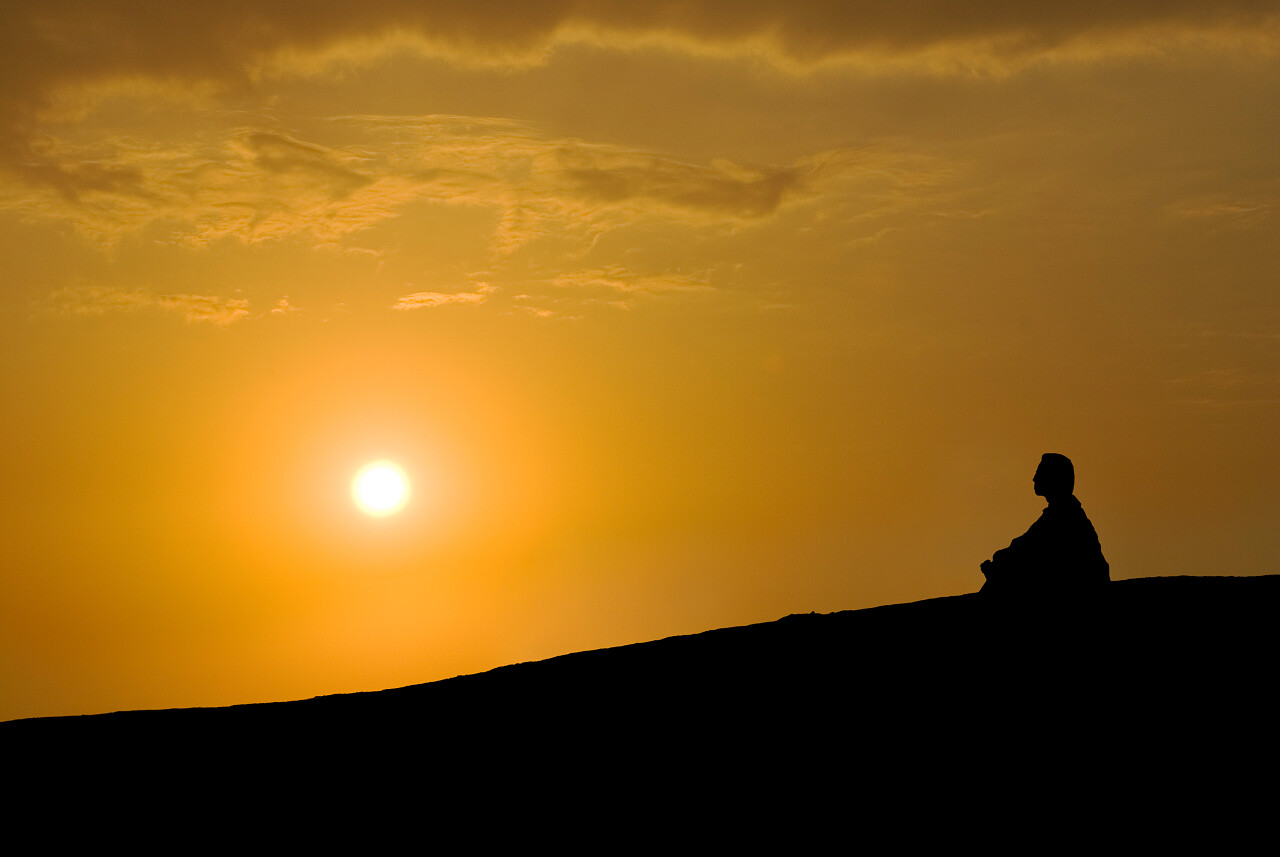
(380, 489)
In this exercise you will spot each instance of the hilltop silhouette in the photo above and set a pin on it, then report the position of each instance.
(1162, 686)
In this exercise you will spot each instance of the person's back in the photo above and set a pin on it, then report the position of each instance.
(1060, 553)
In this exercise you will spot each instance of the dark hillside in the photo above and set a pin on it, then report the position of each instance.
(1164, 686)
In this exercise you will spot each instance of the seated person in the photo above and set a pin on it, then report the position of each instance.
(1061, 553)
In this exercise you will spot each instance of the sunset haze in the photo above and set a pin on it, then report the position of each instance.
(677, 316)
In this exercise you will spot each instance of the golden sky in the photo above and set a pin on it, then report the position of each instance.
(678, 315)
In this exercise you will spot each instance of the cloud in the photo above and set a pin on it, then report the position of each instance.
(210, 308)
(616, 178)
(427, 300)
(1226, 387)
(257, 181)
(1223, 214)
(619, 279)
(60, 45)
(256, 185)
(97, 300)
(63, 40)
(533, 178)
(283, 307)
(253, 185)
(318, 166)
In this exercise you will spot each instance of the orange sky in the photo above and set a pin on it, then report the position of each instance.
(679, 316)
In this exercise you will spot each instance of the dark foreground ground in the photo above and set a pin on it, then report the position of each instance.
(943, 720)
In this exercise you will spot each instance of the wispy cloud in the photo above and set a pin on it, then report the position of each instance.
(97, 300)
(542, 184)
(257, 185)
(58, 48)
(252, 185)
(1224, 367)
(620, 279)
(427, 300)
(283, 307)
(1223, 214)
(77, 39)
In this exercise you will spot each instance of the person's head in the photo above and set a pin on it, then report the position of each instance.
(1055, 477)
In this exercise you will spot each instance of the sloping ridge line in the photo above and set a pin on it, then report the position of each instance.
(1146, 642)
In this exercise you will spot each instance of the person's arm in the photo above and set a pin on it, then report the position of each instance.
(1007, 561)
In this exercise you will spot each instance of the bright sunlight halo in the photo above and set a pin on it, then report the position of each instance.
(380, 489)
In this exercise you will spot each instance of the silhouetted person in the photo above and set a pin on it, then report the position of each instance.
(1060, 555)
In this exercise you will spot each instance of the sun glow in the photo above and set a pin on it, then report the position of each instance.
(380, 489)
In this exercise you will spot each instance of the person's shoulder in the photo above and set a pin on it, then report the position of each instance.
(1070, 506)
(1066, 512)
